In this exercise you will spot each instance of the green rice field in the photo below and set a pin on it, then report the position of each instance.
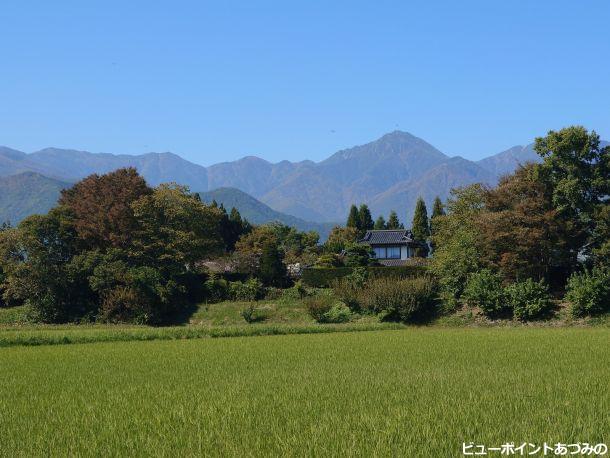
(406, 392)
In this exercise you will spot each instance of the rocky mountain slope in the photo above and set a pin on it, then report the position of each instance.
(388, 174)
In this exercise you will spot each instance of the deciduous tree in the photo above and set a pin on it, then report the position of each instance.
(100, 207)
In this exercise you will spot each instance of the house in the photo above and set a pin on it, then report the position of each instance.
(392, 247)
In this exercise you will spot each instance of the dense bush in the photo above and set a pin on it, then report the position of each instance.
(325, 277)
(124, 304)
(349, 293)
(529, 299)
(349, 288)
(589, 292)
(358, 255)
(318, 305)
(329, 260)
(338, 313)
(326, 309)
(399, 299)
(484, 290)
(297, 291)
(250, 290)
(216, 289)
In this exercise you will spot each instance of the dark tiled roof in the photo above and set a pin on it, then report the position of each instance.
(388, 237)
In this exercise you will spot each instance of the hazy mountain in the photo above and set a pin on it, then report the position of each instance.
(437, 181)
(27, 194)
(388, 173)
(155, 167)
(507, 161)
(258, 213)
(324, 191)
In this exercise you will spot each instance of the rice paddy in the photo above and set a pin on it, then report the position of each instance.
(409, 392)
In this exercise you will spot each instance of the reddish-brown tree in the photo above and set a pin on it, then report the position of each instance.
(522, 234)
(101, 207)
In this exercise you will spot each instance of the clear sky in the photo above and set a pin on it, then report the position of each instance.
(215, 81)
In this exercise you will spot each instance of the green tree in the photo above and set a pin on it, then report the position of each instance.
(438, 209)
(272, 271)
(232, 227)
(393, 221)
(420, 228)
(380, 223)
(601, 236)
(353, 220)
(457, 240)
(366, 220)
(578, 172)
(340, 238)
(37, 259)
(358, 254)
(175, 228)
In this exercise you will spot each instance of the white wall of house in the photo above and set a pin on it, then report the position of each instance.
(405, 252)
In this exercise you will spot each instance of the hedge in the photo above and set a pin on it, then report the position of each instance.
(323, 277)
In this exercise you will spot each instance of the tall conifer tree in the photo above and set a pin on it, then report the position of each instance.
(353, 220)
(420, 228)
(380, 223)
(393, 221)
(366, 220)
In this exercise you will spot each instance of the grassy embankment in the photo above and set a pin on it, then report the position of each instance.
(282, 316)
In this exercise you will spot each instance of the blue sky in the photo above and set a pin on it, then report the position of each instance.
(214, 81)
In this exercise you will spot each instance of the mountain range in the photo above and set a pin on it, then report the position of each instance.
(387, 174)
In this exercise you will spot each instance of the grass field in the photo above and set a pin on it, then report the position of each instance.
(413, 392)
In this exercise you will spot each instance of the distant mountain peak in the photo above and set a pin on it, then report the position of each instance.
(11, 153)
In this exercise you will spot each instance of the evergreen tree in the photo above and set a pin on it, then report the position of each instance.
(272, 271)
(353, 220)
(393, 222)
(437, 210)
(420, 228)
(234, 216)
(366, 220)
(380, 223)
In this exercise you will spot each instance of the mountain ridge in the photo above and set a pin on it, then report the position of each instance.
(387, 173)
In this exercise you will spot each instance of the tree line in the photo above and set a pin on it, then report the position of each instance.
(115, 249)
(544, 227)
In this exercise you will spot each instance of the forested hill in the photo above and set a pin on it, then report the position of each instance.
(26, 194)
(258, 213)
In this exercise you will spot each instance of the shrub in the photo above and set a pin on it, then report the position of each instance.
(124, 305)
(216, 289)
(324, 278)
(253, 314)
(338, 313)
(250, 290)
(318, 305)
(272, 293)
(484, 290)
(528, 299)
(357, 255)
(399, 299)
(329, 260)
(349, 292)
(589, 292)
